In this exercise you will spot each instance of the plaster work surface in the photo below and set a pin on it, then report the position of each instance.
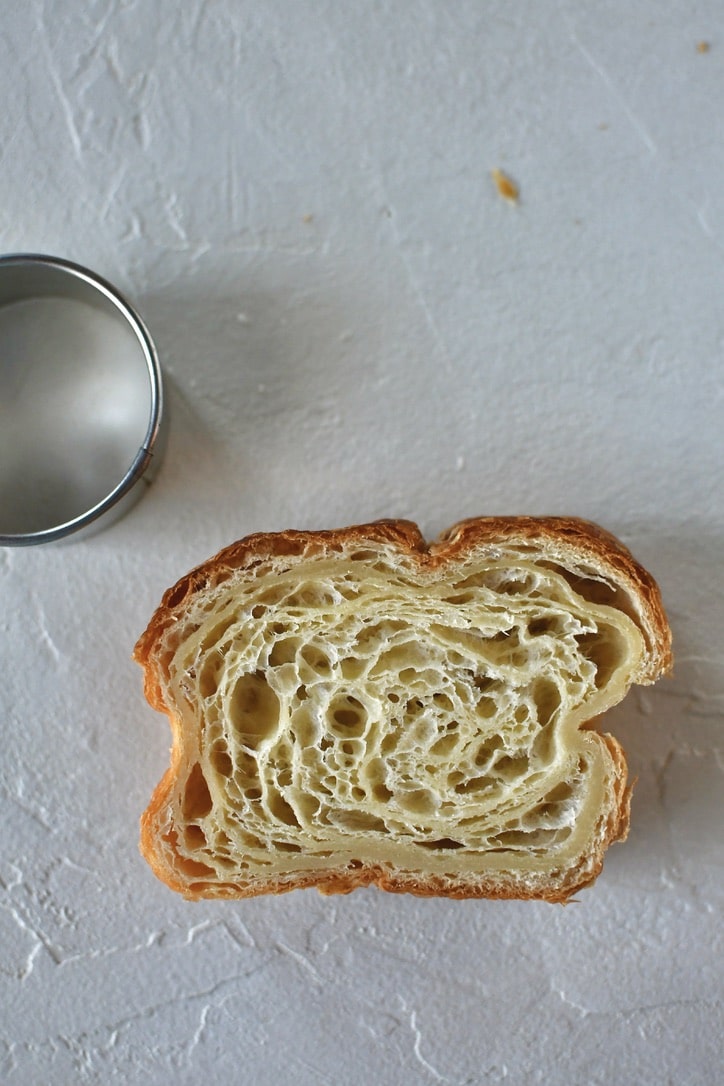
(354, 323)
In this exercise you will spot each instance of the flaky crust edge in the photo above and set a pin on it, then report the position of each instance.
(563, 538)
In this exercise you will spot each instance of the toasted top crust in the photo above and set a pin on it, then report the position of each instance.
(595, 564)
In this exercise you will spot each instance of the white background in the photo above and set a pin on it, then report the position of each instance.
(354, 324)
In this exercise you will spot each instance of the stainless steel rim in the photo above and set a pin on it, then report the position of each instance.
(145, 454)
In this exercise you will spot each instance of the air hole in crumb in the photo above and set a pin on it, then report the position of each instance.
(316, 660)
(388, 744)
(595, 591)
(509, 768)
(209, 676)
(444, 745)
(510, 838)
(311, 596)
(222, 763)
(280, 809)
(347, 717)
(413, 707)
(249, 840)
(420, 801)
(195, 837)
(247, 764)
(602, 652)
(486, 708)
(197, 798)
(486, 751)
(364, 556)
(308, 806)
(194, 868)
(358, 821)
(475, 784)
(513, 586)
(352, 668)
(283, 651)
(547, 699)
(560, 793)
(442, 843)
(459, 597)
(287, 846)
(253, 709)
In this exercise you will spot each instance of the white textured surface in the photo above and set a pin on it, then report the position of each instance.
(297, 196)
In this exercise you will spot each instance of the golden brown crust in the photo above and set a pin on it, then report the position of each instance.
(344, 882)
(563, 538)
(149, 844)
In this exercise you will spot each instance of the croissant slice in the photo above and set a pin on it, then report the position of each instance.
(358, 707)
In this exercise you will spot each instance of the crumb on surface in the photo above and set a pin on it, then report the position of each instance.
(507, 188)
(703, 47)
(308, 217)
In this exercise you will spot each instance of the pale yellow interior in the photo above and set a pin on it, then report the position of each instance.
(369, 713)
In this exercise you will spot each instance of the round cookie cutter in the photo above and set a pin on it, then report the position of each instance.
(81, 401)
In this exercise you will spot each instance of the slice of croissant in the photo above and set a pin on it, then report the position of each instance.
(358, 707)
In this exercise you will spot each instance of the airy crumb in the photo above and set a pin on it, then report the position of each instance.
(703, 47)
(507, 188)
